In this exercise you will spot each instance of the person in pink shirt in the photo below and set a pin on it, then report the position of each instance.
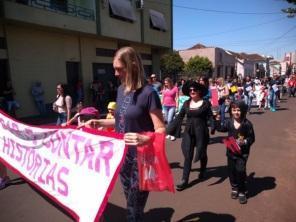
(170, 95)
(292, 85)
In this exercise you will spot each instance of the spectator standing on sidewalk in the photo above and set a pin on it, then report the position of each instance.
(63, 104)
(37, 93)
(155, 84)
(79, 92)
(94, 87)
(11, 103)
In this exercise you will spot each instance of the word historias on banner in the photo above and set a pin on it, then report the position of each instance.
(57, 160)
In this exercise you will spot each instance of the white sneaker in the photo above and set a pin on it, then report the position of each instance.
(168, 137)
(173, 138)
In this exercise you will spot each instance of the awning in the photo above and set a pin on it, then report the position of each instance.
(122, 9)
(157, 20)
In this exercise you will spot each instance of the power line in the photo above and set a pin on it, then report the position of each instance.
(278, 38)
(254, 42)
(216, 11)
(227, 12)
(232, 30)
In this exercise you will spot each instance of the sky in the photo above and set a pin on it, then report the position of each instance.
(250, 26)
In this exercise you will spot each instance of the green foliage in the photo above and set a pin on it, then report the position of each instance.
(171, 64)
(197, 66)
(291, 12)
(292, 1)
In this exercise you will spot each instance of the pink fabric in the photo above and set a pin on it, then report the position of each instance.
(169, 96)
(154, 170)
(214, 95)
(89, 111)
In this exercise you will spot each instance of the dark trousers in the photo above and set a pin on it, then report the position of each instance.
(237, 173)
(136, 199)
(291, 91)
(188, 157)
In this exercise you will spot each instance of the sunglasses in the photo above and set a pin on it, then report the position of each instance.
(192, 90)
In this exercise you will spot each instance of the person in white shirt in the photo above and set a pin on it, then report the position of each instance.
(62, 105)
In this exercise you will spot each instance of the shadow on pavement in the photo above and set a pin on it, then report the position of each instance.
(51, 202)
(258, 184)
(281, 109)
(159, 215)
(116, 213)
(208, 217)
(216, 139)
(16, 181)
(219, 172)
(175, 165)
(257, 112)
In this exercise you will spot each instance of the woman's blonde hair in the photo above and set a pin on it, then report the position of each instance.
(170, 82)
(221, 80)
(134, 78)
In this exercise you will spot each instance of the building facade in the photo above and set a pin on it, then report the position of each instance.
(54, 41)
(223, 62)
(250, 65)
(289, 63)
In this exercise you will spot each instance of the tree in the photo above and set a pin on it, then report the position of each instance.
(291, 11)
(197, 66)
(171, 64)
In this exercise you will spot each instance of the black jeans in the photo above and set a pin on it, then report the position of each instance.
(136, 199)
(237, 173)
(188, 161)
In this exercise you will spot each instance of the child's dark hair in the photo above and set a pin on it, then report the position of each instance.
(239, 104)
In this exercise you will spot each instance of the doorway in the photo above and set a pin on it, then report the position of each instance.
(4, 77)
(73, 79)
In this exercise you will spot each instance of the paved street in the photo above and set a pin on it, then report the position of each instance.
(271, 181)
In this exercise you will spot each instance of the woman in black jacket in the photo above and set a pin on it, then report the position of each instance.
(196, 133)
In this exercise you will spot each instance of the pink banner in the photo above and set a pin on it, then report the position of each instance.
(75, 168)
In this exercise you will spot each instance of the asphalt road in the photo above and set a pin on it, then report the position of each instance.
(271, 183)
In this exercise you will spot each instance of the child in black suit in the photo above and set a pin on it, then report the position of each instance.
(241, 129)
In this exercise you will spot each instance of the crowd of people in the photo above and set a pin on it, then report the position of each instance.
(141, 105)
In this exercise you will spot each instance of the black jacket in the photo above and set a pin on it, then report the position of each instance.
(246, 130)
(196, 127)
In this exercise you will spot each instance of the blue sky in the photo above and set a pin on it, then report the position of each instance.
(251, 26)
